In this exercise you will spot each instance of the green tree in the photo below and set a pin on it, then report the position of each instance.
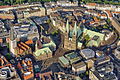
(87, 37)
(108, 20)
(8, 55)
(55, 32)
(12, 2)
(87, 72)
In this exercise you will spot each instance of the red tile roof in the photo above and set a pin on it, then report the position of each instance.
(92, 22)
(23, 48)
(4, 63)
(109, 13)
(7, 6)
(116, 12)
(96, 19)
(29, 42)
(23, 44)
(104, 15)
(7, 40)
(91, 4)
(1, 40)
(4, 7)
(29, 69)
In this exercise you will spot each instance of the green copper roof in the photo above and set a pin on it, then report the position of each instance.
(70, 34)
(63, 60)
(43, 51)
(49, 44)
(93, 43)
(72, 57)
(67, 26)
(75, 29)
(93, 33)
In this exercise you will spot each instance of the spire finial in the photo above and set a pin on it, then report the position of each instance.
(75, 29)
(67, 26)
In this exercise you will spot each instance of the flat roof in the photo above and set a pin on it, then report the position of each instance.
(73, 57)
(88, 53)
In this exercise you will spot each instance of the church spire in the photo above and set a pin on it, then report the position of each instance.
(75, 29)
(67, 26)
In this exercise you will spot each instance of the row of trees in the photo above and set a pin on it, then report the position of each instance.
(12, 2)
(104, 1)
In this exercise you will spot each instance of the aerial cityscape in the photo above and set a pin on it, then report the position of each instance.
(59, 39)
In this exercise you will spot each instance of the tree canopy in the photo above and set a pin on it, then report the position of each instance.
(12, 2)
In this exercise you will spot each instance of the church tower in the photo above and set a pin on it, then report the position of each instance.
(66, 35)
(70, 43)
(74, 36)
(13, 42)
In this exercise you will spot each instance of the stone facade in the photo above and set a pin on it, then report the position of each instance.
(70, 43)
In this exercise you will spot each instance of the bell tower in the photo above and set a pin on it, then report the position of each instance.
(66, 35)
(13, 42)
(74, 36)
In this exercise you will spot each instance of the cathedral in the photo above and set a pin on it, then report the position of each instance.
(70, 37)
